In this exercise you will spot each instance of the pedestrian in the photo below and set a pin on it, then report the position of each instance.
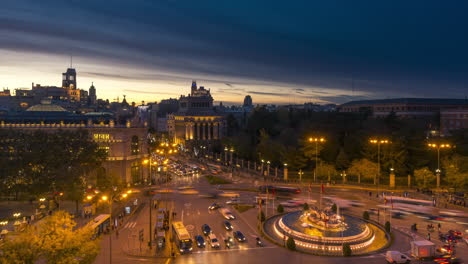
(439, 226)
(429, 236)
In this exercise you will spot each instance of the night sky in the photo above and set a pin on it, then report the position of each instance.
(276, 51)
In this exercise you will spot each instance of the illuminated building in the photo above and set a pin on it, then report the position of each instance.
(195, 120)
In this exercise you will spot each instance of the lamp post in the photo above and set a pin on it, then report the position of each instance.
(268, 168)
(378, 142)
(439, 146)
(316, 140)
(300, 175)
(285, 176)
(225, 155)
(230, 159)
(106, 199)
(263, 174)
(343, 174)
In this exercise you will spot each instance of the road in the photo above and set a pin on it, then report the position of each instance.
(192, 209)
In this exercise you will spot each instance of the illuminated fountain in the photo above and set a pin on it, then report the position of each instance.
(324, 231)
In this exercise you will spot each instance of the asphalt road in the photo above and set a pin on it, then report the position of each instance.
(192, 209)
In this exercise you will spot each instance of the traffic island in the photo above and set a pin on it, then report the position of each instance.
(320, 232)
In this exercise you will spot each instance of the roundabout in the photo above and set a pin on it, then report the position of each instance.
(324, 232)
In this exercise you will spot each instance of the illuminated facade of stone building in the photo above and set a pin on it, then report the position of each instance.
(126, 145)
(196, 121)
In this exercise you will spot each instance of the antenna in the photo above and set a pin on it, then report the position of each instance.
(71, 61)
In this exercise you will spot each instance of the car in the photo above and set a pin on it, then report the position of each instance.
(445, 249)
(206, 229)
(227, 214)
(200, 241)
(213, 206)
(213, 241)
(229, 242)
(447, 260)
(227, 225)
(396, 257)
(239, 236)
(233, 201)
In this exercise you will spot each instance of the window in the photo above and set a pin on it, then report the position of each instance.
(101, 137)
(105, 148)
(135, 146)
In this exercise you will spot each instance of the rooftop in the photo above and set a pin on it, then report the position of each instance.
(441, 101)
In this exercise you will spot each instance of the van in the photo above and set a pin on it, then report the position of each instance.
(396, 257)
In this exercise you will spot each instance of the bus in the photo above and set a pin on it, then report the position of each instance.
(99, 224)
(279, 190)
(182, 237)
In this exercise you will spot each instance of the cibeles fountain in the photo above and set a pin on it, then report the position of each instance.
(324, 231)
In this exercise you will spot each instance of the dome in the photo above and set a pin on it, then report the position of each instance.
(46, 107)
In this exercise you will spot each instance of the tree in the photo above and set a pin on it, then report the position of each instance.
(53, 240)
(363, 168)
(456, 172)
(342, 160)
(280, 209)
(388, 227)
(306, 207)
(334, 208)
(347, 250)
(424, 177)
(365, 215)
(291, 244)
(326, 171)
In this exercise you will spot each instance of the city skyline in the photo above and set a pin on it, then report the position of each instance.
(289, 54)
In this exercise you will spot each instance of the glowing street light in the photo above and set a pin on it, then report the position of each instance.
(439, 146)
(317, 140)
(378, 142)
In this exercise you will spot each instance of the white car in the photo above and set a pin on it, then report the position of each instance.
(227, 214)
(214, 241)
(396, 257)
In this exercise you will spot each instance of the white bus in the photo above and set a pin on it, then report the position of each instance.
(182, 237)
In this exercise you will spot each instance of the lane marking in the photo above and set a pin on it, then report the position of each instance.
(228, 250)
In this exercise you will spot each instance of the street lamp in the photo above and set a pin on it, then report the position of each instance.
(263, 174)
(300, 175)
(225, 154)
(378, 142)
(317, 141)
(439, 146)
(343, 174)
(285, 176)
(268, 168)
(230, 160)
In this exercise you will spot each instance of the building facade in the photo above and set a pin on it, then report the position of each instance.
(403, 107)
(196, 121)
(453, 119)
(126, 145)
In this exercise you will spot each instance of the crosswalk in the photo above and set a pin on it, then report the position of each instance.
(130, 225)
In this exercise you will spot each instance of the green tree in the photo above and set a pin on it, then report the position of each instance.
(388, 227)
(347, 250)
(326, 171)
(342, 160)
(365, 215)
(424, 177)
(456, 172)
(280, 209)
(334, 208)
(364, 169)
(291, 244)
(54, 240)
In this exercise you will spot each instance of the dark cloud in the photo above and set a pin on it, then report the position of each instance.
(371, 47)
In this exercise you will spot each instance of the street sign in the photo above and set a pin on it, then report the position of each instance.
(141, 235)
